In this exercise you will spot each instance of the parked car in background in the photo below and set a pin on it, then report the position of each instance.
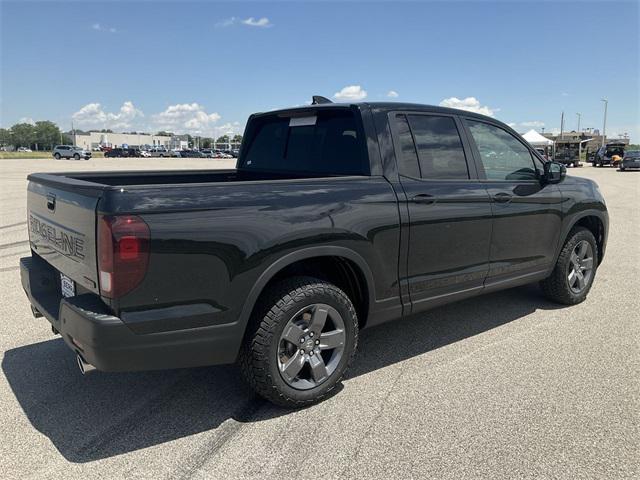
(123, 152)
(607, 153)
(207, 152)
(191, 154)
(337, 217)
(631, 159)
(160, 152)
(24, 150)
(70, 151)
(144, 153)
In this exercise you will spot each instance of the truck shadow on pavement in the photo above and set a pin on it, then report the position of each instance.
(108, 414)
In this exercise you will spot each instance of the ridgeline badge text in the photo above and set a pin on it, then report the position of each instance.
(64, 242)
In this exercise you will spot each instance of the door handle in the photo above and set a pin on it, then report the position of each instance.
(502, 197)
(424, 199)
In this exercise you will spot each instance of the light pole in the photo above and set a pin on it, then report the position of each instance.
(579, 139)
(604, 123)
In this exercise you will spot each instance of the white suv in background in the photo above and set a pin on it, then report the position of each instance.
(70, 151)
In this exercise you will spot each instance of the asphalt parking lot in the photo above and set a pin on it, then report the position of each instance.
(502, 386)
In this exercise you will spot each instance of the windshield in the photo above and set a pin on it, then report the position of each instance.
(327, 142)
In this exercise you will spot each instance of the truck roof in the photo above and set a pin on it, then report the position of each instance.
(378, 106)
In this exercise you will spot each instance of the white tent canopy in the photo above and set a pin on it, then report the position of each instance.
(537, 140)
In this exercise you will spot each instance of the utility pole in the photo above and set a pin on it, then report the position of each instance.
(561, 125)
(579, 139)
(604, 123)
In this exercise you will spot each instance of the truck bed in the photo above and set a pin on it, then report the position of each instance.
(99, 180)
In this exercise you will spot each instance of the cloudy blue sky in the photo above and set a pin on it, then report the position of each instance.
(203, 67)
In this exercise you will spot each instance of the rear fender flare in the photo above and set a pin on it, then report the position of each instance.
(312, 252)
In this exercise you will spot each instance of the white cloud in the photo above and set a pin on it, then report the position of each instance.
(28, 120)
(533, 124)
(392, 94)
(101, 28)
(93, 115)
(351, 92)
(187, 117)
(262, 22)
(227, 22)
(471, 104)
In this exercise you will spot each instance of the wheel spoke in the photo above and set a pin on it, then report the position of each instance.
(332, 339)
(292, 333)
(318, 319)
(293, 366)
(580, 278)
(572, 277)
(574, 259)
(583, 249)
(318, 368)
(587, 263)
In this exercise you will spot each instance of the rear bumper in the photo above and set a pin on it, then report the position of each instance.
(110, 344)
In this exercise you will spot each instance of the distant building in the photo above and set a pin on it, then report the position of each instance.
(569, 144)
(594, 139)
(179, 142)
(93, 140)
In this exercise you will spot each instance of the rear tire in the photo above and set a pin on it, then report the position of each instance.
(301, 339)
(575, 269)
(76, 157)
(56, 156)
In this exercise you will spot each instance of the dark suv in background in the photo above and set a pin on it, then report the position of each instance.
(604, 155)
(631, 159)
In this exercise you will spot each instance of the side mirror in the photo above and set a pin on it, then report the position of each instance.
(554, 172)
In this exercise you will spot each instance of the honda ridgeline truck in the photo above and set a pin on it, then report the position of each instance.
(337, 217)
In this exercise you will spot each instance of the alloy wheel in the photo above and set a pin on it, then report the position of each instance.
(311, 346)
(580, 268)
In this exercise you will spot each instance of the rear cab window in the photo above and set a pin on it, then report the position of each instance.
(323, 142)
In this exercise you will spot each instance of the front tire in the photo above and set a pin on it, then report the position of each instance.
(76, 157)
(57, 156)
(300, 341)
(575, 269)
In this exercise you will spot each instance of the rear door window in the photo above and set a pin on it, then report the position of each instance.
(406, 150)
(323, 142)
(440, 151)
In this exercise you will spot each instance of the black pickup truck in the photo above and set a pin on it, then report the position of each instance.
(337, 217)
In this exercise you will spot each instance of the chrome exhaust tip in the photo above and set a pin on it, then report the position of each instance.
(85, 368)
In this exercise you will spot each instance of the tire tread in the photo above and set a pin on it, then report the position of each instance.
(254, 354)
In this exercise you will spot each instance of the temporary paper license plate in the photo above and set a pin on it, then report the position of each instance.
(67, 286)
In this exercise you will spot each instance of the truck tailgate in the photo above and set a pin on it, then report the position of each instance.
(62, 230)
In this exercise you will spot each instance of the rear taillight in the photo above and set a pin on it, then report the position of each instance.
(123, 253)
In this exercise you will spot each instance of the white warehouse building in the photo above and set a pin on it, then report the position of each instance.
(93, 140)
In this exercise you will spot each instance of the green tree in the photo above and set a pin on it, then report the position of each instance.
(46, 135)
(162, 133)
(5, 137)
(223, 139)
(206, 142)
(237, 139)
(23, 134)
